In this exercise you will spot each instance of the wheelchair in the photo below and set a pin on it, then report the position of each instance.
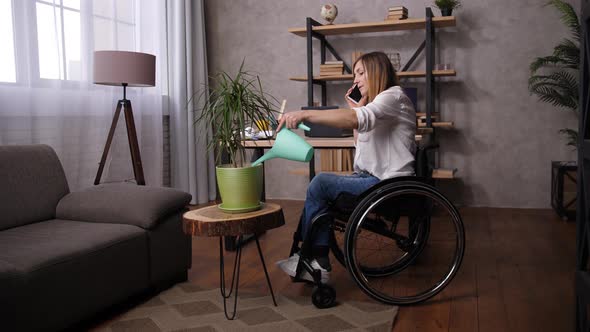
(401, 240)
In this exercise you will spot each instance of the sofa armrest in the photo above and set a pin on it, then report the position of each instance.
(121, 203)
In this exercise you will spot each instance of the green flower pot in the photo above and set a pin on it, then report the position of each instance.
(240, 188)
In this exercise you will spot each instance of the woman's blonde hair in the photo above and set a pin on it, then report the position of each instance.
(379, 72)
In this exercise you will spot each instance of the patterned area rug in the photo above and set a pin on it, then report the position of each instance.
(185, 307)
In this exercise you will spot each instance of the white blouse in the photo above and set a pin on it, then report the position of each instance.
(386, 142)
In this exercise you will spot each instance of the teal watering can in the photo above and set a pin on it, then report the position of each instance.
(289, 145)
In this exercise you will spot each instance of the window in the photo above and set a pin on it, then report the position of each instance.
(58, 36)
(7, 56)
(114, 25)
(62, 35)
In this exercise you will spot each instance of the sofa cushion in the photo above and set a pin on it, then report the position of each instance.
(35, 246)
(62, 271)
(122, 203)
(32, 181)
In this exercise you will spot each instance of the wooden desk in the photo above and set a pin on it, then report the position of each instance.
(210, 221)
(317, 143)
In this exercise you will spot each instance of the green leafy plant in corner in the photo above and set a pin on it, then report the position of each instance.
(234, 103)
(447, 4)
(554, 78)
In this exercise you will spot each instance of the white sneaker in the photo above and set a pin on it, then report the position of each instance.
(290, 267)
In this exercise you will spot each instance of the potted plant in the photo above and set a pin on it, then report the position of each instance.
(446, 6)
(233, 104)
(555, 79)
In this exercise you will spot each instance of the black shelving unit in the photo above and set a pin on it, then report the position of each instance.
(428, 46)
(582, 278)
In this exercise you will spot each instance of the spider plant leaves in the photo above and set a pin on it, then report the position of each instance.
(234, 103)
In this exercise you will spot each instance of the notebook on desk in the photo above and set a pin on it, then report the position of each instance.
(318, 130)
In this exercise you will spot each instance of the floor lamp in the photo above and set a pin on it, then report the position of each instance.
(120, 68)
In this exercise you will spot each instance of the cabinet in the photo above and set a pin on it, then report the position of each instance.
(427, 121)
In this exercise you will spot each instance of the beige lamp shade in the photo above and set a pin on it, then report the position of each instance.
(122, 67)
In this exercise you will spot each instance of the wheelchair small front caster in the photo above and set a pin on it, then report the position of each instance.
(323, 296)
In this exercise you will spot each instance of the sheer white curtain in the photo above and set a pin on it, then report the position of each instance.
(46, 90)
(192, 166)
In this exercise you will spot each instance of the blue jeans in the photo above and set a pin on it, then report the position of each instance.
(324, 188)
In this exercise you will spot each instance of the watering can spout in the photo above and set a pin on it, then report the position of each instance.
(262, 159)
(288, 145)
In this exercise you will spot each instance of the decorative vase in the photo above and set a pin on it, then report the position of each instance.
(446, 11)
(240, 188)
(329, 12)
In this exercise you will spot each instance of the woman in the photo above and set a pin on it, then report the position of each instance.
(385, 121)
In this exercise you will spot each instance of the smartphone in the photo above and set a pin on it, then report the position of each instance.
(355, 95)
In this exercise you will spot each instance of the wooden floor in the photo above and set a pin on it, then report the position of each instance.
(517, 273)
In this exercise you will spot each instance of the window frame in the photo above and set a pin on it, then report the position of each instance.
(26, 44)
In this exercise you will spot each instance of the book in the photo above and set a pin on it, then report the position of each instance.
(405, 11)
(331, 66)
(396, 18)
(339, 62)
(397, 8)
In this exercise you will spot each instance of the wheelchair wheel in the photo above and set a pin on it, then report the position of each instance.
(412, 245)
(404, 243)
(323, 296)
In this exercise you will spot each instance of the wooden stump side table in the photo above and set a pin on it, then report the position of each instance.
(210, 221)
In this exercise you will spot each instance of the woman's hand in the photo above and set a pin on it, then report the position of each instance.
(291, 119)
(352, 104)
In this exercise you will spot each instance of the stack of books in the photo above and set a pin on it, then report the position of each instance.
(331, 68)
(397, 13)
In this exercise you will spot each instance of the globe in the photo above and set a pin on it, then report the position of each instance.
(329, 12)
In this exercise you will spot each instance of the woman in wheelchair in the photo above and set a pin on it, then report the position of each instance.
(384, 193)
(385, 121)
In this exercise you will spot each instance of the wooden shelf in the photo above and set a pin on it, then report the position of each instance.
(421, 115)
(381, 26)
(441, 173)
(318, 143)
(305, 171)
(443, 125)
(438, 173)
(401, 74)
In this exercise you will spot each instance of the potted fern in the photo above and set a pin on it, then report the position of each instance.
(446, 6)
(554, 78)
(233, 104)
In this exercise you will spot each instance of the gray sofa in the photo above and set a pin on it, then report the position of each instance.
(66, 256)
